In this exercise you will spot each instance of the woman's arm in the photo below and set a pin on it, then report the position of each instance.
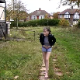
(41, 39)
(53, 40)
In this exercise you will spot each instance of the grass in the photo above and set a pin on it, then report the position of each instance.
(67, 49)
(24, 58)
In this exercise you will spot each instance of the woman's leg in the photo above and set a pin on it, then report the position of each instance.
(47, 63)
(44, 58)
(43, 63)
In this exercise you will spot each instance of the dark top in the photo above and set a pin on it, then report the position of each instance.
(51, 39)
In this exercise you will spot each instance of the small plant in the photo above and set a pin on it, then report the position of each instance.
(6, 74)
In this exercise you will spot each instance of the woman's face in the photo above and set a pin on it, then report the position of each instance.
(45, 32)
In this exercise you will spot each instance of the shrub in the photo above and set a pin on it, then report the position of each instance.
(78, 25)
(63, 22)
(13, 24)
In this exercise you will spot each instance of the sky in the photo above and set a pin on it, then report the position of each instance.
(50, 6)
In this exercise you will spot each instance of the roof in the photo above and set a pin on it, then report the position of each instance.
(71, 11)
(39, 12)
(2, 1)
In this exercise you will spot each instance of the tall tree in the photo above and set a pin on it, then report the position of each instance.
(70, 2)
(55, 15)
(46, 16)
(16, 11)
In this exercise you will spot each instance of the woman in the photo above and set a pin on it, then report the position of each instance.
(47, 40)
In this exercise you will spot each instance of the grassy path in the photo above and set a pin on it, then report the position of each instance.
(23, 59)
(67, 52)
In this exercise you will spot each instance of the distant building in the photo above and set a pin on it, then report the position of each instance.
(38, 14)
(73, 15)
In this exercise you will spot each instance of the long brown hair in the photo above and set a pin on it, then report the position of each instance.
(48, 29)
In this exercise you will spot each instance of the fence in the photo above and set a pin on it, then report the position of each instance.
(23, 34)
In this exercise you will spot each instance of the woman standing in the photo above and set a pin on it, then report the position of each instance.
(47, 40)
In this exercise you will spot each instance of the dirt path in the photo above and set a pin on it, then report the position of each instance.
(57, 70)
(42, 73)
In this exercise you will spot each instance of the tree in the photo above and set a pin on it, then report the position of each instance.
(63, 22)
(22, 15)
(70, 2)
(55, 15)
(46, 16)
(16, 11)
(7, 15)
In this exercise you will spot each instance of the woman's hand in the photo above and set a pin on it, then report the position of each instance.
(47, 47)
(44, 46)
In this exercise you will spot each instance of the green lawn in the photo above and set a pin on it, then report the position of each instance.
(24, 58)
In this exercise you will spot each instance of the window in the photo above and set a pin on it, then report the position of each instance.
(76, 15)
(34, 17)
(41, 17)
(67, 15)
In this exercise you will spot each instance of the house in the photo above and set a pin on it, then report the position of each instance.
(73, 15)
(38, 14)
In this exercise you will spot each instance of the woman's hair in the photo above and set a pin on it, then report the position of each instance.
(48, 29)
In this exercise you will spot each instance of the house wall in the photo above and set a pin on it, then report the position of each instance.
(72, 22)
(61, 16)
(2, 14)
(75, 22)
(34, 17)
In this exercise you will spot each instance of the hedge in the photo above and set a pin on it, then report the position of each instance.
(42, 22)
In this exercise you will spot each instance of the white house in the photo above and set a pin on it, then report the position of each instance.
(73, 15)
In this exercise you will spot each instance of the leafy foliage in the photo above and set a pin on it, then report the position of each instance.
(70, 2)
(63, 22)
(55, 15)
(17, 11)
(78, 25)
(46, 16)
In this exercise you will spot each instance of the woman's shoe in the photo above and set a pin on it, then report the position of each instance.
(46, 75)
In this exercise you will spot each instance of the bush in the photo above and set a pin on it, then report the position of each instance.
(78, 25)
(13, 24)
(42, 22)
(63, 22)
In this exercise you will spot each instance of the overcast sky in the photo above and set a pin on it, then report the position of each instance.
(49, 5)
